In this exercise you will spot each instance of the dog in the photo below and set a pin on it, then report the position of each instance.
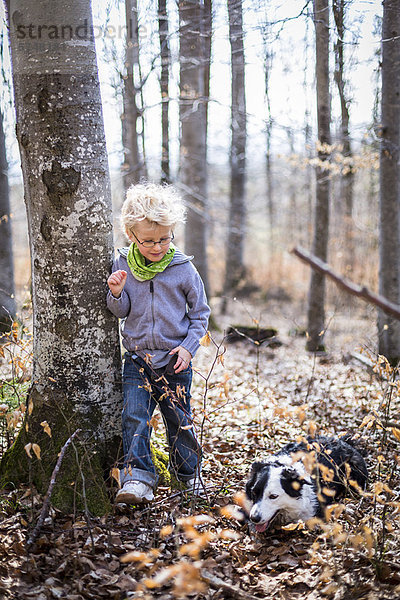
(302, 479)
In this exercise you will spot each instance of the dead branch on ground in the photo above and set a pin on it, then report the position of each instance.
(46, 503)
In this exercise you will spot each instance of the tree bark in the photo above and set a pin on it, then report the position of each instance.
(7, 290)
(268, 57)
(235, 269)
(192, 114)
(207, 37)
(133, 166)
(347, 176)
(164, 85)
(316, 296)
(75, 382)
(389, 209)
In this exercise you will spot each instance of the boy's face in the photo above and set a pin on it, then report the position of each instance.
(146, 231)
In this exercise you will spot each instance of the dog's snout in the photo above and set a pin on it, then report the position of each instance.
(255, 517)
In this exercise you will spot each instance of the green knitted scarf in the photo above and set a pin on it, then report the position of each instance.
(138, 267)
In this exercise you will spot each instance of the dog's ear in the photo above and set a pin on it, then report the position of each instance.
(290, 473)
(291, 482)
(256, 467)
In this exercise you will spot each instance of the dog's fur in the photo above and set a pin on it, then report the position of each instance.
(302, 479)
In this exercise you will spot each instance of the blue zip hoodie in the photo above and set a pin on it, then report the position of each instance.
(167, 311)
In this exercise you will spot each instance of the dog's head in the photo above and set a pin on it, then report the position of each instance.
(275, 488)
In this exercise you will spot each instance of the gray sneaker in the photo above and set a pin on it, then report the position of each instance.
(134, 492)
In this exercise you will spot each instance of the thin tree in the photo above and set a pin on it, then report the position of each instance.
(309, 175)
(7, 289)
(207, 37)
(164, 87)
(193, 136)
(292, 217)
(316, 295)
(389, 208)
(67, 193)
(347, 177)
(268, 58)
(235, 269)
(134, 164)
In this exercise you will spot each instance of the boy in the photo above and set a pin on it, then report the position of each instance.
(160, 296)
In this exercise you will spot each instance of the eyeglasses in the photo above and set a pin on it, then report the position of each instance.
(149, 244)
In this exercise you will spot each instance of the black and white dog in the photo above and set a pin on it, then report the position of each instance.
(302, 479)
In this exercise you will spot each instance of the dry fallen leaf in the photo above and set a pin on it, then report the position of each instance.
(46, 428)
(36, 450)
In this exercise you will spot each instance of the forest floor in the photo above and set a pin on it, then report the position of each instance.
(254, 399)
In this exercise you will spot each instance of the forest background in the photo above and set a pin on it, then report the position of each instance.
(250, 399)
(280, 106)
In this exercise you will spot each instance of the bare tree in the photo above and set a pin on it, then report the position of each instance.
(316, 295)
(7, 290)
(389, 210)
(193, 139)
(164, 86)
(347, 177)
(268, 58)
(235, 270)
(134, 164)
(67, 194)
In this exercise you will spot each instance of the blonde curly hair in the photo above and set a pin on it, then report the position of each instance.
(159, 204)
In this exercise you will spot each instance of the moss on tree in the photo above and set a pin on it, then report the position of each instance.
(80, 481)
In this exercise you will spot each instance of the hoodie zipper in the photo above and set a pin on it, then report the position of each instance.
(152, 311)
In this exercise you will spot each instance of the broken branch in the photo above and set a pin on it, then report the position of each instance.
(350, 287)
(218, 584)
(46, 503)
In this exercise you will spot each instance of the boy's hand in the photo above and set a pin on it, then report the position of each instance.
(183, 360)
(116, 282)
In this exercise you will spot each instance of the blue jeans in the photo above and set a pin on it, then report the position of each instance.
(143, 389)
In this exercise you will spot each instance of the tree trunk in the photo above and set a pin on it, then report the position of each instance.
(192, 114)
(67, 194)
(7, 291)
(235, 269)
(389, 213)
(133, 167)
(207, 36)
(316, 296)
(268, 57)
(309, 174)
(164, 85)
(347, 177)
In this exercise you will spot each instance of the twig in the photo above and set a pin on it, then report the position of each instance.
(46, 503)
(350, 287)
(219, 584)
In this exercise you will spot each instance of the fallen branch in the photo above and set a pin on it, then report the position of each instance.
(350, 287)
(46, 502)
(218, 584)
(369, 364)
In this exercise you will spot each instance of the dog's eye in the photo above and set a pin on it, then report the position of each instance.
(273, 496)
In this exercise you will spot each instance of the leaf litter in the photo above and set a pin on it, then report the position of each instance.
(252, 401)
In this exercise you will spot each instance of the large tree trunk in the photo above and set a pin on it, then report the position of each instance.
(164, 85)
(235, 270)
(389, 214)
(347, 177)
(133, 167)
(192, 114)
(7, 291)
(316, 297)
(67, 194)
